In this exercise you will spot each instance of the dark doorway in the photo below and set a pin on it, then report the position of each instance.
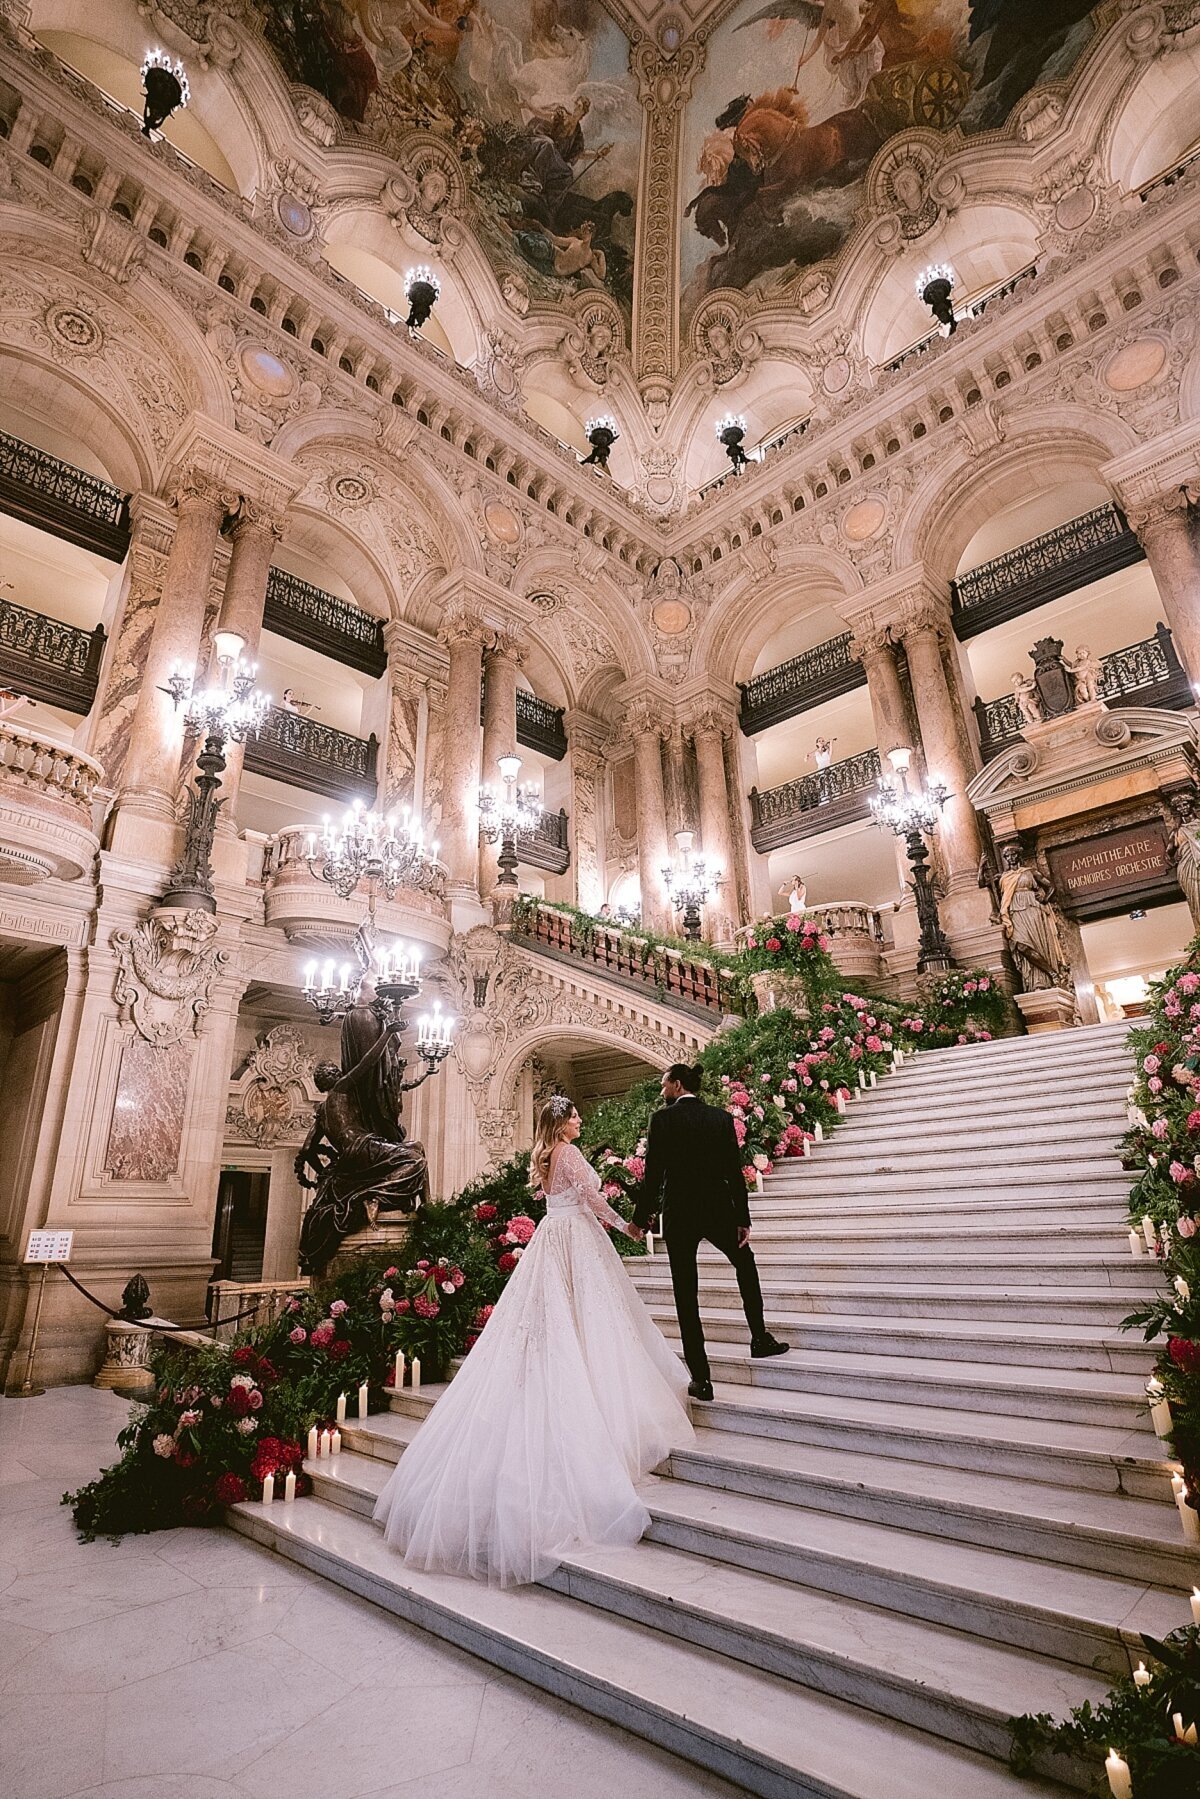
(240, 1229)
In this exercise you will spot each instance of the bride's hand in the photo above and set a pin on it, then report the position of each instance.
(635, 1231)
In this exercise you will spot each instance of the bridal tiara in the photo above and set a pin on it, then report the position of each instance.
(561, 1106)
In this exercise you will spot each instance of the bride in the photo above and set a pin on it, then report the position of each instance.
(568, 1397)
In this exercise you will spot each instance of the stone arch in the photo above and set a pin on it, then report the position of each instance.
(516, 1053)
(747, 613)
(957, 498)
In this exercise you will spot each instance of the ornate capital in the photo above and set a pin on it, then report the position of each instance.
(1163, 511)
(644, 721)
(711, 719)
(508, 645)
(460, 627)
(871, 642)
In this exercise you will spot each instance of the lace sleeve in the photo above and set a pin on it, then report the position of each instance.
(587, 1183)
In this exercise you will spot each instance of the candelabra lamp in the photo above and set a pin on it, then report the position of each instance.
(731, 435)
(602, 434)
(421, 287)
(222, 714)
(910, 811)
(513, 811)
(391, 976)
(376, 852)
(690, 884)
(935, 285)
(166, 89)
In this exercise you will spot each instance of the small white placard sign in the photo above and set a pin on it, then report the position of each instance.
(49, 1246)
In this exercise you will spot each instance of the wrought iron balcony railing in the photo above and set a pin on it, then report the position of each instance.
(814, 803)
(666, 975)
(303, 753)
(1061, 561)
(540, 726)
(802, 682)
(548, 847)
(47, 660)
(322, 621)
(1148, 673)
(58, 497)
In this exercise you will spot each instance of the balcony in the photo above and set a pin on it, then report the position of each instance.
(302, 753)
(305, 614)
(45, 809)
(1143, 674)
(47, 660)
(814, 803)
(1071, 556)
(60, 498)
(807, 680)
(548, 847)
(540, 726)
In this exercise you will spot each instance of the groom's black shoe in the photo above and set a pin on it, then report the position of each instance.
(700, 1389)
(768, 1345)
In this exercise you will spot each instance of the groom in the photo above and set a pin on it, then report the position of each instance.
(694, 1171)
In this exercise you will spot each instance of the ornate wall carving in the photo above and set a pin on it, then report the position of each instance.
(273, 1095)
(167, 967)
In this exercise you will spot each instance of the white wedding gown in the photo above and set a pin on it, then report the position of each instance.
(568, 1397)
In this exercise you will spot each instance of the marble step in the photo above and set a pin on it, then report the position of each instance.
(865, 1264)
(838, 1207)
(798, 1512)
(983, 1097)
(1043, 1449)
(970, 1160)
(940, 1680)
(1003, 1341)
(911, 1299)
(774, 1232)
(1084, 1044)
(1076, 1396)
(1093, 1129)
(928, 1071)
(762, 1732)
(1068, 1184)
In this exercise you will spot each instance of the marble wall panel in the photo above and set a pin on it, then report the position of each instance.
(148, 1111)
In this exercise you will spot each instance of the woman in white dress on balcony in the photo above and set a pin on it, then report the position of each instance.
(569, 1396)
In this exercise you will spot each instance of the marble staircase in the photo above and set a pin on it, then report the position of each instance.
(944, 1507)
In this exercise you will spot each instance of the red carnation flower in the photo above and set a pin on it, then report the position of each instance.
(229, 1489)
(185, 1457)
(244, 1357)
(239, 1401)
(507, 1262)
(774, 944)
(338, 1349)
(1185, 1354)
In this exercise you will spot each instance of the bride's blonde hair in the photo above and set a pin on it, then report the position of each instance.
(552, 1121)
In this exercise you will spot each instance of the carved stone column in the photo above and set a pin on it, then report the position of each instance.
(501, 665)
(653, 856)
(874, 649)
(710, 727)
(585, 737)
(463, 634)
(149, 775)
(400, 714)
(255, 537)
(1168, 532)
(925, 622)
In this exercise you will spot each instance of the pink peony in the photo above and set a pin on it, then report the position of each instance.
(164, 1446)
(337, 1308)
(1180, 1175)
(773, 944)
(1160, 1129)
(1189, 982)
(1155, 1084)
(425, 1308)
(322, 1335)
(635, 1166)
(1151, 1064)
(522, 1227)
(792, 923)
(187, 1419)
(1186, 1227)
(739, 1130)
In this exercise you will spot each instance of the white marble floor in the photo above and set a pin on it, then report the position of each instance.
(192, 1665)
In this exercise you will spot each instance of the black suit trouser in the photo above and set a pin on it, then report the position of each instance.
(683, 1241)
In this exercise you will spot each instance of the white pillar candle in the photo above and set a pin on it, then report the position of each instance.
(839, 1099)
(1196, 1605)
(1135, 1244)
(649, 1243)
(1148, 1230)
(289, 1487)
(1189, 1735)
(364, 1399)
(1160, 1411)
(268, 1489)
(1178, 1486)
(1141, 1675)
(758, 1186)
(805, 1147)
(1188, 1518)
(415, 1367)
(1120, 1781)
(818, 1133)
(1182, 1288)
(398, 1374)
(874, 1078)
(323, 1444)
(1177, 1721)
(335, 1443)
(341, 1408)
(313, 1450)
(862, 1080)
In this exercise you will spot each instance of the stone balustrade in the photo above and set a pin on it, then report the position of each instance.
(308, 910)
(228, 1299)
(46, 792)
(673, 976)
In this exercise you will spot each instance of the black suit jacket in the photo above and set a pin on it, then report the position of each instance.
(693, 1168)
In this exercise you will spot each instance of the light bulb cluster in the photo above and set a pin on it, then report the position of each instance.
(422, 290)
(435, 1032)
(165, 85)
(231, 709)
(689, 883)
(385, 853)
(934, 287)
(904, 806)
(514, 809)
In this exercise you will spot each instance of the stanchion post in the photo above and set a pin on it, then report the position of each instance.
(27, 1390)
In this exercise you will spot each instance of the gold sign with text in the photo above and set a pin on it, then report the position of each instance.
(1120, 862)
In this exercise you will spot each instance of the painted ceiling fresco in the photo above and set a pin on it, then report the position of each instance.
(534, 95)
(798, 95)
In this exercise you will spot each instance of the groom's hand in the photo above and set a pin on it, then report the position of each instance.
(635, 1231)
(743, 1235)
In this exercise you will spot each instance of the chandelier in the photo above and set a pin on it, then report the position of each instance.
(165, 86)
(602, 434)
(231, 710)
(223, 714)
(369, 849)
(934, 288)
(393, 975)
(421, 290)
(689, 884)
(731, 435)
(515, 811)
(904, 806)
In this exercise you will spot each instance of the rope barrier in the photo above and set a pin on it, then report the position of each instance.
(213, 1324)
